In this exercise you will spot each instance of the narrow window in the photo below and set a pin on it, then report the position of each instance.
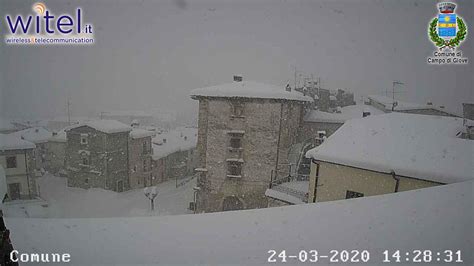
(234, 169)
(145, 148)
(353, 194)
(85, 161)
(84, 140)
(11, 162)
(237, 109)
(235, 143)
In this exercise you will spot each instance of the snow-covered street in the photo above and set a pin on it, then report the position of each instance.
(68, 202)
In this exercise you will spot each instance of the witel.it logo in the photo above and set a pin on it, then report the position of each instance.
(45, 28)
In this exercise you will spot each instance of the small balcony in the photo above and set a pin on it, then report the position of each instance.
(289, 186)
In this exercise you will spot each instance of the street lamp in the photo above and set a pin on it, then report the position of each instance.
(151, 193)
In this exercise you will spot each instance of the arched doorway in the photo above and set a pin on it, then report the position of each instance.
(232, 203)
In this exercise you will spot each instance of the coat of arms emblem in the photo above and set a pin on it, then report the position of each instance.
(447, 30)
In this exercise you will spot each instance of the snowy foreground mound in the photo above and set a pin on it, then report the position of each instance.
(436, 218)
(70, 202)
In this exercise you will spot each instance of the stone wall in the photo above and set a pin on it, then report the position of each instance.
(468, 110)
(269, 129)
(177, 165)
(55, 156)
(159, 170)
(323, 102)
(140, 162)
(344, 98)
(107, 155)
(40, 154)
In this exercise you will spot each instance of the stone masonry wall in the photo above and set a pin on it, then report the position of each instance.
(140, 162)
(107, 155)
(261, 125)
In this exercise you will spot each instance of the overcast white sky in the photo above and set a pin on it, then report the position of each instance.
(152, 53)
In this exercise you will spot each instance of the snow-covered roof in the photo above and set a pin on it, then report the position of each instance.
(282, 196)
(412, 145)
(347, 112)
(11, 142)
(6, 124)
(60, 136)
(292, 192)
(179, 139)
(138, 133)
(404, 106)
(106, 126)
(34, 134)
(410, 220)
(249, 89)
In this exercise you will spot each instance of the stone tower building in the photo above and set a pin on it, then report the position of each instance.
(140, 158)
(97, 155)
(245, 132)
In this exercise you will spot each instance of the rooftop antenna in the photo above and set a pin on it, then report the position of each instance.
(299, 79)
(295, 79)
(319, 84)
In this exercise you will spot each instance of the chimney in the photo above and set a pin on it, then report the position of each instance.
(365, 112)
(441, 106)
(238, 78)
(430, 103)
(135, 123)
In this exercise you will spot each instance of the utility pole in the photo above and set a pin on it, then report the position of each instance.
(68, 111)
